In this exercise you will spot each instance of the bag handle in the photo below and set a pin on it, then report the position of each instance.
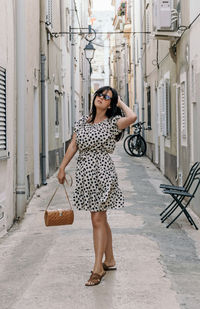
(67, 196)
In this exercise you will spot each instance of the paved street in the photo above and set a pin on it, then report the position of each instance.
(158, 268)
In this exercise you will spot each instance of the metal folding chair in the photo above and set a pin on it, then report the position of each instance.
(185, 187)
(179, 196)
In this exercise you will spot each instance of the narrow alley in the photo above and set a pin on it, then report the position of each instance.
(157, 268)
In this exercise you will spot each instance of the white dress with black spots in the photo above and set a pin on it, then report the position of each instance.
(96, 179)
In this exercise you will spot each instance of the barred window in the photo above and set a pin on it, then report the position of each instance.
(3, 132)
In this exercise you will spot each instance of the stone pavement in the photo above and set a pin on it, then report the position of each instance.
(158, 268)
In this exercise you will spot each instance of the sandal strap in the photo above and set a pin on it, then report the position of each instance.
(95, 278)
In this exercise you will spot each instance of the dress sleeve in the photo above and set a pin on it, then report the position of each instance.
(78, 124)
(114, 128)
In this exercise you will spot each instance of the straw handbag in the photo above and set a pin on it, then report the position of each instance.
(59, 216)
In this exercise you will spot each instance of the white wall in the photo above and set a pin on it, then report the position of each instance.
(7, 61)
(194, 9)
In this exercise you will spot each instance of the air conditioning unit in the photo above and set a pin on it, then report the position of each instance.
(165, 20)
(165, 15)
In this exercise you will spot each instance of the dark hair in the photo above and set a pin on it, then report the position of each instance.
(112, 111)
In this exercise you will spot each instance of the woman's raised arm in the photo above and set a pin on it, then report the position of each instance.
(130, 116)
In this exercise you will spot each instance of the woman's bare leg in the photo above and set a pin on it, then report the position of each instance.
(109, 257)
(99, 222)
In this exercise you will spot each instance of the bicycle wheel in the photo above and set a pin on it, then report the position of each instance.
(137, 145)
(126, 147)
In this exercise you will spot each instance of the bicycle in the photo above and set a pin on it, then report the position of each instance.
(135, 144)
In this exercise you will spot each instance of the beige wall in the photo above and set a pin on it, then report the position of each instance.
(7, 61)
(194, 97)
(32, 21)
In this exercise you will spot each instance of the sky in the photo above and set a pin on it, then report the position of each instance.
(102, 5)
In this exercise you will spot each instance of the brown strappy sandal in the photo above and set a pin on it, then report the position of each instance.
(94, 279)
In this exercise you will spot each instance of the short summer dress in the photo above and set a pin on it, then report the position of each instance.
(96, 186)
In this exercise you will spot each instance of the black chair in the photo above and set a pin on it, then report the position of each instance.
(185, 187)
(179, 196)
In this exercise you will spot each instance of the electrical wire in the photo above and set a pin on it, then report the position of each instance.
(99, 32)
(193, 21)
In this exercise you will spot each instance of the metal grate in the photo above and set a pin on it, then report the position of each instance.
(2, 109)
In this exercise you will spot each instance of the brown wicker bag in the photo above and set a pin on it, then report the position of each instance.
(59, 216)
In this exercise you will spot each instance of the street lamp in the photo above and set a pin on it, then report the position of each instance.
(89, 52)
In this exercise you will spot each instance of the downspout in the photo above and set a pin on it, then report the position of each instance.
(134, 62)
(72, 64)
(21, 98)
(141, 66)
(42, 67)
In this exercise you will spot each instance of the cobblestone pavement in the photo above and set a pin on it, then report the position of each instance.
(158, 268)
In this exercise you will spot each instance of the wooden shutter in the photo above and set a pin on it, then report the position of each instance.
(168, 118)
(162, 110)
(183, 119)
(2, 109)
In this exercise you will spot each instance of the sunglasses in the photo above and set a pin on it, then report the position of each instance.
(105, 96)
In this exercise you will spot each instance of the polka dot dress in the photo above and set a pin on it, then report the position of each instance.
(96, 179)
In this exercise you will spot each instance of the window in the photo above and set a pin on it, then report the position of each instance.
(3, 133)
(149, 107)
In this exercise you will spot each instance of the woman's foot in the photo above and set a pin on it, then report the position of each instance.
(95, 278)
(109, 265)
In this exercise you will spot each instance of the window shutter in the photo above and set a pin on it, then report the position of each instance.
(158, 109)
(164, 111)
(167, 83)
(161, 108)
(183, 118)
(2, 109)
(197, 89)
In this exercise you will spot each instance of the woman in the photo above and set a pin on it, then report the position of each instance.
(96, 180)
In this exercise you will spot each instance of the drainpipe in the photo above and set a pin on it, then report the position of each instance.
(141, 65)
(134, 59)
(72, 63)
(43, 59)
(42, 67)
(21, 98)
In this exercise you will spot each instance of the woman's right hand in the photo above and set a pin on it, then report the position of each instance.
(61, 176)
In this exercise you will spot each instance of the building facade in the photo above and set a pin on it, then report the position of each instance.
(166, 75)
(43, 90)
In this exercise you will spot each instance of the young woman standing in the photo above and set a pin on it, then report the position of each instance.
(97, 187)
